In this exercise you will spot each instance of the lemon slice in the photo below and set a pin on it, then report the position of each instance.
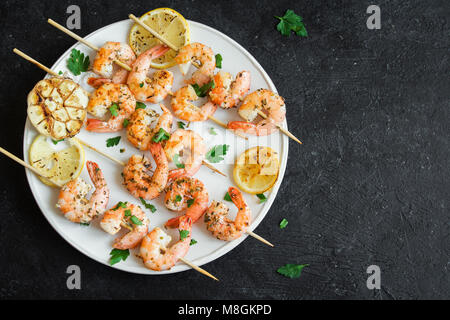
(60, 163)
(256, 170)
(168, 23)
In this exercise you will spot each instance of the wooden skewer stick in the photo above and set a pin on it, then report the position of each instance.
(173, 47)
(290, 135)
(87, 43)
(254, 235)
(40, 65)
(26, 165)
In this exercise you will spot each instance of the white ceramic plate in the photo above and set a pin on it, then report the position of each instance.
(95, 243)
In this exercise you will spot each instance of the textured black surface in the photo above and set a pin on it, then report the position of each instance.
(369, 186)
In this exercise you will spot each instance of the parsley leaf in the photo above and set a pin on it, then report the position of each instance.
(120, 205)
(190, 202)
(149, 206)
(203, 90)
(113, 141)
(114, 109)
(178, 198)
(184, 234)
(291, 22)
(283, 223)
(181, 125)
(140, 105)
(127, 213)
(193, 241)
(176, 160)
(161, 135)
(262, 198)
(117, 255)
(55, 142)
(136, 220)
(227, 197)
(212, 131)
(85, 224)
(217, 153)
(126, 122)
(219, 61)
(292, 270)
(77, 62)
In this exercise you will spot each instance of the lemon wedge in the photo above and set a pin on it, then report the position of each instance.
(60, 162)
(169, 24)
(256, 170)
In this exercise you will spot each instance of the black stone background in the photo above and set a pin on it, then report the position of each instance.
(370, 185)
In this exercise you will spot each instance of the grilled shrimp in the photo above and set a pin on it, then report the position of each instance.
(141, 128)
(137, 178)
(227, 93)
(184, 109)
(156, 88)
(197, 52)
(155, 253)
(133, 216)
(105, 67)
(186, 147)
(187, 194)
(261, 99)
(72, 199)
(223, 228)
(110, 97)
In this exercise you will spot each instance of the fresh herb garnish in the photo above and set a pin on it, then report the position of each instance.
(122, 150)
(111, 142)
(178, 198)
(55, 142)
(77, 62)
(141, 84)
(184, 234)
(291, 22)
(149, 206)
(126, 122)
(212, 131)
(292, 270)
(181, 125)
(283, 223)
(117, 255)
(121, 204)
(85, 224)
(203, 90)
(161, 135)
(217, 153)
(227, 197)
(262, 197)
(140, 105)
(136, 220)
(60, 72)
(114, 109)
(193, 241)
(176, 160)
(190, 202)
(127, 213)
(218, 61)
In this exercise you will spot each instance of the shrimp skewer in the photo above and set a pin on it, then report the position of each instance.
(226, 93)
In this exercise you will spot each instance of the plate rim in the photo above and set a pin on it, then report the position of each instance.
(216, 253)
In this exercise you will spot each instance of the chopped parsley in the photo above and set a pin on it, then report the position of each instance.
(219, 61)
(77, 62)
(122, 150)
(292, 270)
(262, 198)
(120, 205)
(181, 125)
(193, 241)
(217, 153)
(117, 255)
(227, 197)
(85, 224)
(291, 22)
(111, 142)
(178, 198)
(283, 223)
(176, 160)
(55, 142)
(140, 105)
(114, 109)
(127, 213)
(136, 220)
(184, 234)
(212, 131)
(161, 135)
(190, 202)
(126, 122)
(203, 90)
(149, 206)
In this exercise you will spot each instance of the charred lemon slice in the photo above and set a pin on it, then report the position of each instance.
(59, 161)
(57, 107)
(256, 170)
(168, 23)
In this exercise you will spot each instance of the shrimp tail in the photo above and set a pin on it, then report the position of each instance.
(158, 51)
(97, 82)
(97, 125)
